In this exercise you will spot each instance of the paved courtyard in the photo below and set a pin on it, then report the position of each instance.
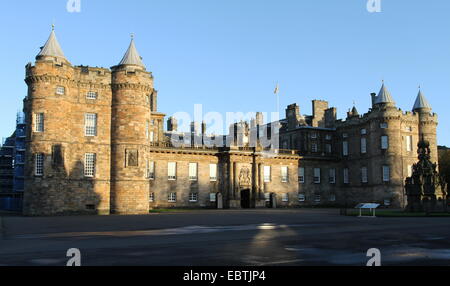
(225, 237)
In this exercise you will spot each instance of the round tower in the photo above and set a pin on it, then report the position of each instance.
(49, 83)
(131, 87)
(427, 123)
(385, 145)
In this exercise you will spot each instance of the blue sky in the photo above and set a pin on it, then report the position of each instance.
(229, 54)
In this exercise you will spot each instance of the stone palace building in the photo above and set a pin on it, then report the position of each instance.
(95, 143)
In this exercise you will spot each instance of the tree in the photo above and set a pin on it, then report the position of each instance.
(444, 163)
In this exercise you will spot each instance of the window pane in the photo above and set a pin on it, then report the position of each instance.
(345, 148)
(213, 172)
(284, 174)
(364, 174)
(301, 175)
(384, 142)
(89, 165)
(346, 179)
(266, 173)
(363, 145)
(317, 175)
(386, 174)
(193, 171)
(39, 165)
(172, 170)
(90, 122)
(39, 122)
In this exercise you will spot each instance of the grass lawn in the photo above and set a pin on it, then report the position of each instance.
(395, 213)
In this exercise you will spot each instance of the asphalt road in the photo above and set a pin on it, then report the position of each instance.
(225, 238)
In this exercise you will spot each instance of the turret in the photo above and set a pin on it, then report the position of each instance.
(132, 88)
(52, 51)
(427, 123)
(384, 98)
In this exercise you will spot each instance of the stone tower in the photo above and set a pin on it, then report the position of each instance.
(67, 168)
(427, 123)
(132, 97)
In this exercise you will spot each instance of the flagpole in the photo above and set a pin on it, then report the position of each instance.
(278, 101)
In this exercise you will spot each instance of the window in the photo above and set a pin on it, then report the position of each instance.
(363, 131)
(316, 175)
(193, 171)
(410, 170)
(212, 197)
(332, 176)
(301, 175)
(344, 135)
(409, 143)
(313, 135)
(267, 176)
(328, 137)
(332, 198)
(364, 175)
(152, 198)
(172, 198)
(150, 166)
(384, 142)
(328, 148)
(39, 122)
(317, 198)
(383, 125)
(172, 171)
(193, 197)
(213, 172)
(301, 197)
(363, 145)
(284, 174)
(345, 148)
(39, 165)
(89, 165)
(90, 124)
(314, 147)
(386, 173)
(267, 197)
(346, 178)
(408, 128)
(152, 136)
(147, 129)
(60, 90)
(91, 95)
(285, 197)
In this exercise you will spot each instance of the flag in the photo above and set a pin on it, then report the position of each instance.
(276, 89)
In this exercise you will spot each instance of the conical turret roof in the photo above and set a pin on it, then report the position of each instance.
(132, 56)
(384, 96)
(52, 47)
(421, 102)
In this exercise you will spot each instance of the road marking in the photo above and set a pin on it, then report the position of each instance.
(194, 229)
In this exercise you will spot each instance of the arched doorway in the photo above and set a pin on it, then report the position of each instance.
(245, 199)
